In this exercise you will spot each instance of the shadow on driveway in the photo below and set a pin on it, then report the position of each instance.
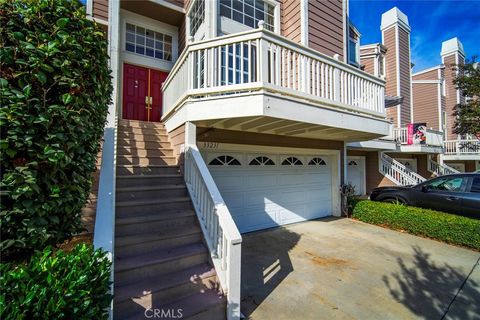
(428, 289)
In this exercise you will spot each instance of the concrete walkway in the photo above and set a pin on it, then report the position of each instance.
(344, 269)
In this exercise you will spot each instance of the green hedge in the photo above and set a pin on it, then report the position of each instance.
(55, 90)
(423, 222)
(58, 285)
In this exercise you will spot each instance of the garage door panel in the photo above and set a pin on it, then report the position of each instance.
(260, 197)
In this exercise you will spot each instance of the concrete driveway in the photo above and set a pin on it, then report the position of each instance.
(344, 269)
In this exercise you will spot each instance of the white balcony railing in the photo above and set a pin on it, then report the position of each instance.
(440, 169)
(221, 234)
(462, 147)
(261, 60)
(433, 138)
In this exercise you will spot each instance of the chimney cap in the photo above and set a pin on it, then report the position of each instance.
(394, 16)
(451, 46)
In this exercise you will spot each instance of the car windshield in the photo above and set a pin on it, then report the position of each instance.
(445, 184)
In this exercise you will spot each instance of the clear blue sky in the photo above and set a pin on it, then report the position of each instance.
(432, 22)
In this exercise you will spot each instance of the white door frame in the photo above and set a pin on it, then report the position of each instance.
(364, 170)
(414, 160)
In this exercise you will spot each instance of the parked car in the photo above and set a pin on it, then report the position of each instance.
(454, 193)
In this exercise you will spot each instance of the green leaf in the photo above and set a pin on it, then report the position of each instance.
(67, 98)
(62, 22)
(41, 77)
(3, 83)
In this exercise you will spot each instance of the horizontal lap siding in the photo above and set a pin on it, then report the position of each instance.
(405, 88)
(425, 104)
(369, 65)
(290, 19)
(100, 9)
(325, 26)
(430, 75)
(391, 74)
(451, 95)
(182, 32)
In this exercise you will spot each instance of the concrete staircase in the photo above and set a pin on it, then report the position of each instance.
(161, 261)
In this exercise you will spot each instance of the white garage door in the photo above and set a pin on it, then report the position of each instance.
(268, 190)
(356, 173)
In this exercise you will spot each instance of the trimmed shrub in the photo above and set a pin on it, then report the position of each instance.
(58, 285)
(423, 222)
(55, 90)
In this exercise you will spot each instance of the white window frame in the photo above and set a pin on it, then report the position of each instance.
(151, 24)
(230, 26)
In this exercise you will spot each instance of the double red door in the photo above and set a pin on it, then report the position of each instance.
(142, 93)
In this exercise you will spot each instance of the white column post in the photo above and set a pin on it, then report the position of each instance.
(190, 135)
(234, 281)
(262, 56)
(336, 81)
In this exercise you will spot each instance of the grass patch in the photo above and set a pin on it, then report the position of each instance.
(428, 223)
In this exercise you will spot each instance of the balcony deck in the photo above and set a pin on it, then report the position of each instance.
(462, 150)
(433, 142)
(261, 82)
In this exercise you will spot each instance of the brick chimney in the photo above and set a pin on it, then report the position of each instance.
(452, 53)
(396, 37)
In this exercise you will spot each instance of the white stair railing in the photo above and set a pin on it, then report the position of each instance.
(440, 169)
(221, 234)
(398, 172)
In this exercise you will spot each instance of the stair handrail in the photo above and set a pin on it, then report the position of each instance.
(398, 172)
(220, 231)
(440, 169)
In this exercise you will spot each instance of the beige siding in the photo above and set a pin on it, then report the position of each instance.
(390, 70)
(430, 75)
(290, 19)
(425, 104)
(182, 32)
(450, 95)
(177, 139)
(405, 73)
(325, 26)
(369, 64)
(100, 9)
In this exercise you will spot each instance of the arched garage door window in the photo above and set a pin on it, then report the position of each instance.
(225, 161)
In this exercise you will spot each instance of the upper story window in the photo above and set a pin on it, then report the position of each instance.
(197, 16)
(353, 52)
(249, 12)
(147, 42)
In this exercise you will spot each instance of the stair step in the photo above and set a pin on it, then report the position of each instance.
(133, 208)
(164, 215)
(142, 152)
(138, 130)
(207, 305)
(151, 192)
(163, 285)
(139, 124)
(142, 137)
(139, 170)
(175, 237)
(151, 160)
(158, 262)
(157, 226)
(143, 144)
(149, 180)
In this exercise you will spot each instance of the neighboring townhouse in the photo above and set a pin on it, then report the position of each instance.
(434, 98)
(234, 116)
(394, 159)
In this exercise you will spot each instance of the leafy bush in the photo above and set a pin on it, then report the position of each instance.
(55, 90)
(58, 285)
(423, 222)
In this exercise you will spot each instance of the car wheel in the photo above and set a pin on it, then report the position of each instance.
(394, 200)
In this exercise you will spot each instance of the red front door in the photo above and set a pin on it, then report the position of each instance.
(142, 93)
